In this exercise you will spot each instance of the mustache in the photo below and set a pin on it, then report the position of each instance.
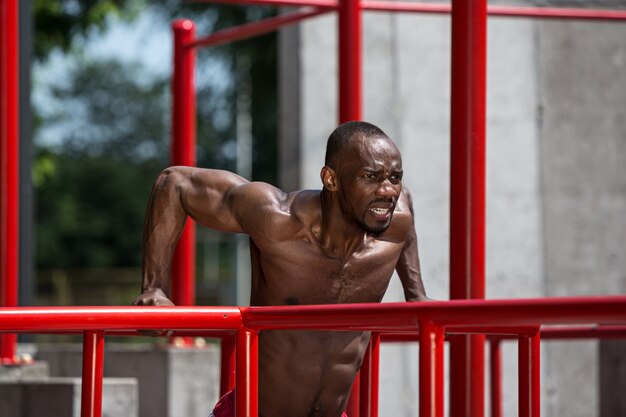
(384, 201)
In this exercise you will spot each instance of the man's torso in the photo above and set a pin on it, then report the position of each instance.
(313, 370)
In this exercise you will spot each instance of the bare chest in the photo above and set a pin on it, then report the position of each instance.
(301, 273)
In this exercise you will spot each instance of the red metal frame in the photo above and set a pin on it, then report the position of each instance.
(433, 320)
(467, 196)
(184, 153)
(9, 167)
(350, 56)
(255, 28)
(467, 226)
(93, 366)
(498, 10)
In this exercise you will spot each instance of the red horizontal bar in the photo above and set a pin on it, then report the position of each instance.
(386, 316)
(503, 314)
(504, 11)
(547, 333)
(260, 27)
(29, 319)
(328, 4)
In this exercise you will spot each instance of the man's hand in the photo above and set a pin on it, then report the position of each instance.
(153, 297)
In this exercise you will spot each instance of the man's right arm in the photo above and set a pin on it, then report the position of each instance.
(211, 197)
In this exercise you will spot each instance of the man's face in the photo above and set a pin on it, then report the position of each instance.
(370, 181)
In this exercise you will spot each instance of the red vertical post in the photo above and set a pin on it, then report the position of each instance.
(495, 368)
(529, 375)
(247, 394)
(184, 153)
(368, 401)
(350, 49)
(93, 361)
(467, 197)
(227, 371)
(431, 379)
(352, 409)
(9, 167)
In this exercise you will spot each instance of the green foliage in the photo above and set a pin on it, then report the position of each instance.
(114, 127)
(59, 22)
(89, 210)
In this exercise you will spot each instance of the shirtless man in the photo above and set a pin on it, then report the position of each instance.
(338, 245)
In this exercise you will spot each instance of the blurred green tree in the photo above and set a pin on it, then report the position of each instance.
(113, 126)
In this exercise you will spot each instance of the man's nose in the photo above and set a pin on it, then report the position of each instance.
(387, 190)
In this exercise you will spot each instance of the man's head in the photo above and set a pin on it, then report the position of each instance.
(364, 171)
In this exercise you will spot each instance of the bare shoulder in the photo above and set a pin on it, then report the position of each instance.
(269, 213)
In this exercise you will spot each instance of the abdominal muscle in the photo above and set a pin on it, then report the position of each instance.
(307, 373)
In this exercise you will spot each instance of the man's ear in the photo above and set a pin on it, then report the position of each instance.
(329, 178)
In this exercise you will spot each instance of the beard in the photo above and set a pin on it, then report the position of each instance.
(373, 229)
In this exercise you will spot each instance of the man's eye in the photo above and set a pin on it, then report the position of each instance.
(369, 176)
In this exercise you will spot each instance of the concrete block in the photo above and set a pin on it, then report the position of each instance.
(15, 373)
(60, 397)
(173, 382)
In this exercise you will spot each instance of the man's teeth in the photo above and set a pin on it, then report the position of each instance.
(380, 210)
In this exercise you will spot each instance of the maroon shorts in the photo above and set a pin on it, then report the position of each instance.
(225, 407)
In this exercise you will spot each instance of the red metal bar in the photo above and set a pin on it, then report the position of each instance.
(529, 376)
(228, 373)
(328, 4)
(431, 378)
(25, 319)
(354, 401)
(350, 48)
(9, 167)
(247, 394)
(403, 316)
(368, 404)
(467, 197)
(606, 310)
(260, 27)
(93, 360)
(495, 369)
(497, 10)
(184, 153)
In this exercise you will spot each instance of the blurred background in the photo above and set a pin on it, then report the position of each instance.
(556, 156)
(100, 94)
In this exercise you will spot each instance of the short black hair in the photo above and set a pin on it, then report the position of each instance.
(338, 140)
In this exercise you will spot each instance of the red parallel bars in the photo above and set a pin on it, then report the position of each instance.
(184, 153)
(9, 167)
(467, 197)
(501, 316)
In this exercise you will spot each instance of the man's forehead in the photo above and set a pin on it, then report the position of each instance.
(373, 149)
(373, 145)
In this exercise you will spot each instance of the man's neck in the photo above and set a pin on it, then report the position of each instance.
(339, 238)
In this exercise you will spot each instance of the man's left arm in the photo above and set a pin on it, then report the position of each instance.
(408, 266)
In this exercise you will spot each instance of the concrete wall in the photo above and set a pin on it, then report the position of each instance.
(556, 182)
(61, 397)
(172, 382)
(582, 125)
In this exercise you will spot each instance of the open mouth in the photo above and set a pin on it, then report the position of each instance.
(381, 213)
